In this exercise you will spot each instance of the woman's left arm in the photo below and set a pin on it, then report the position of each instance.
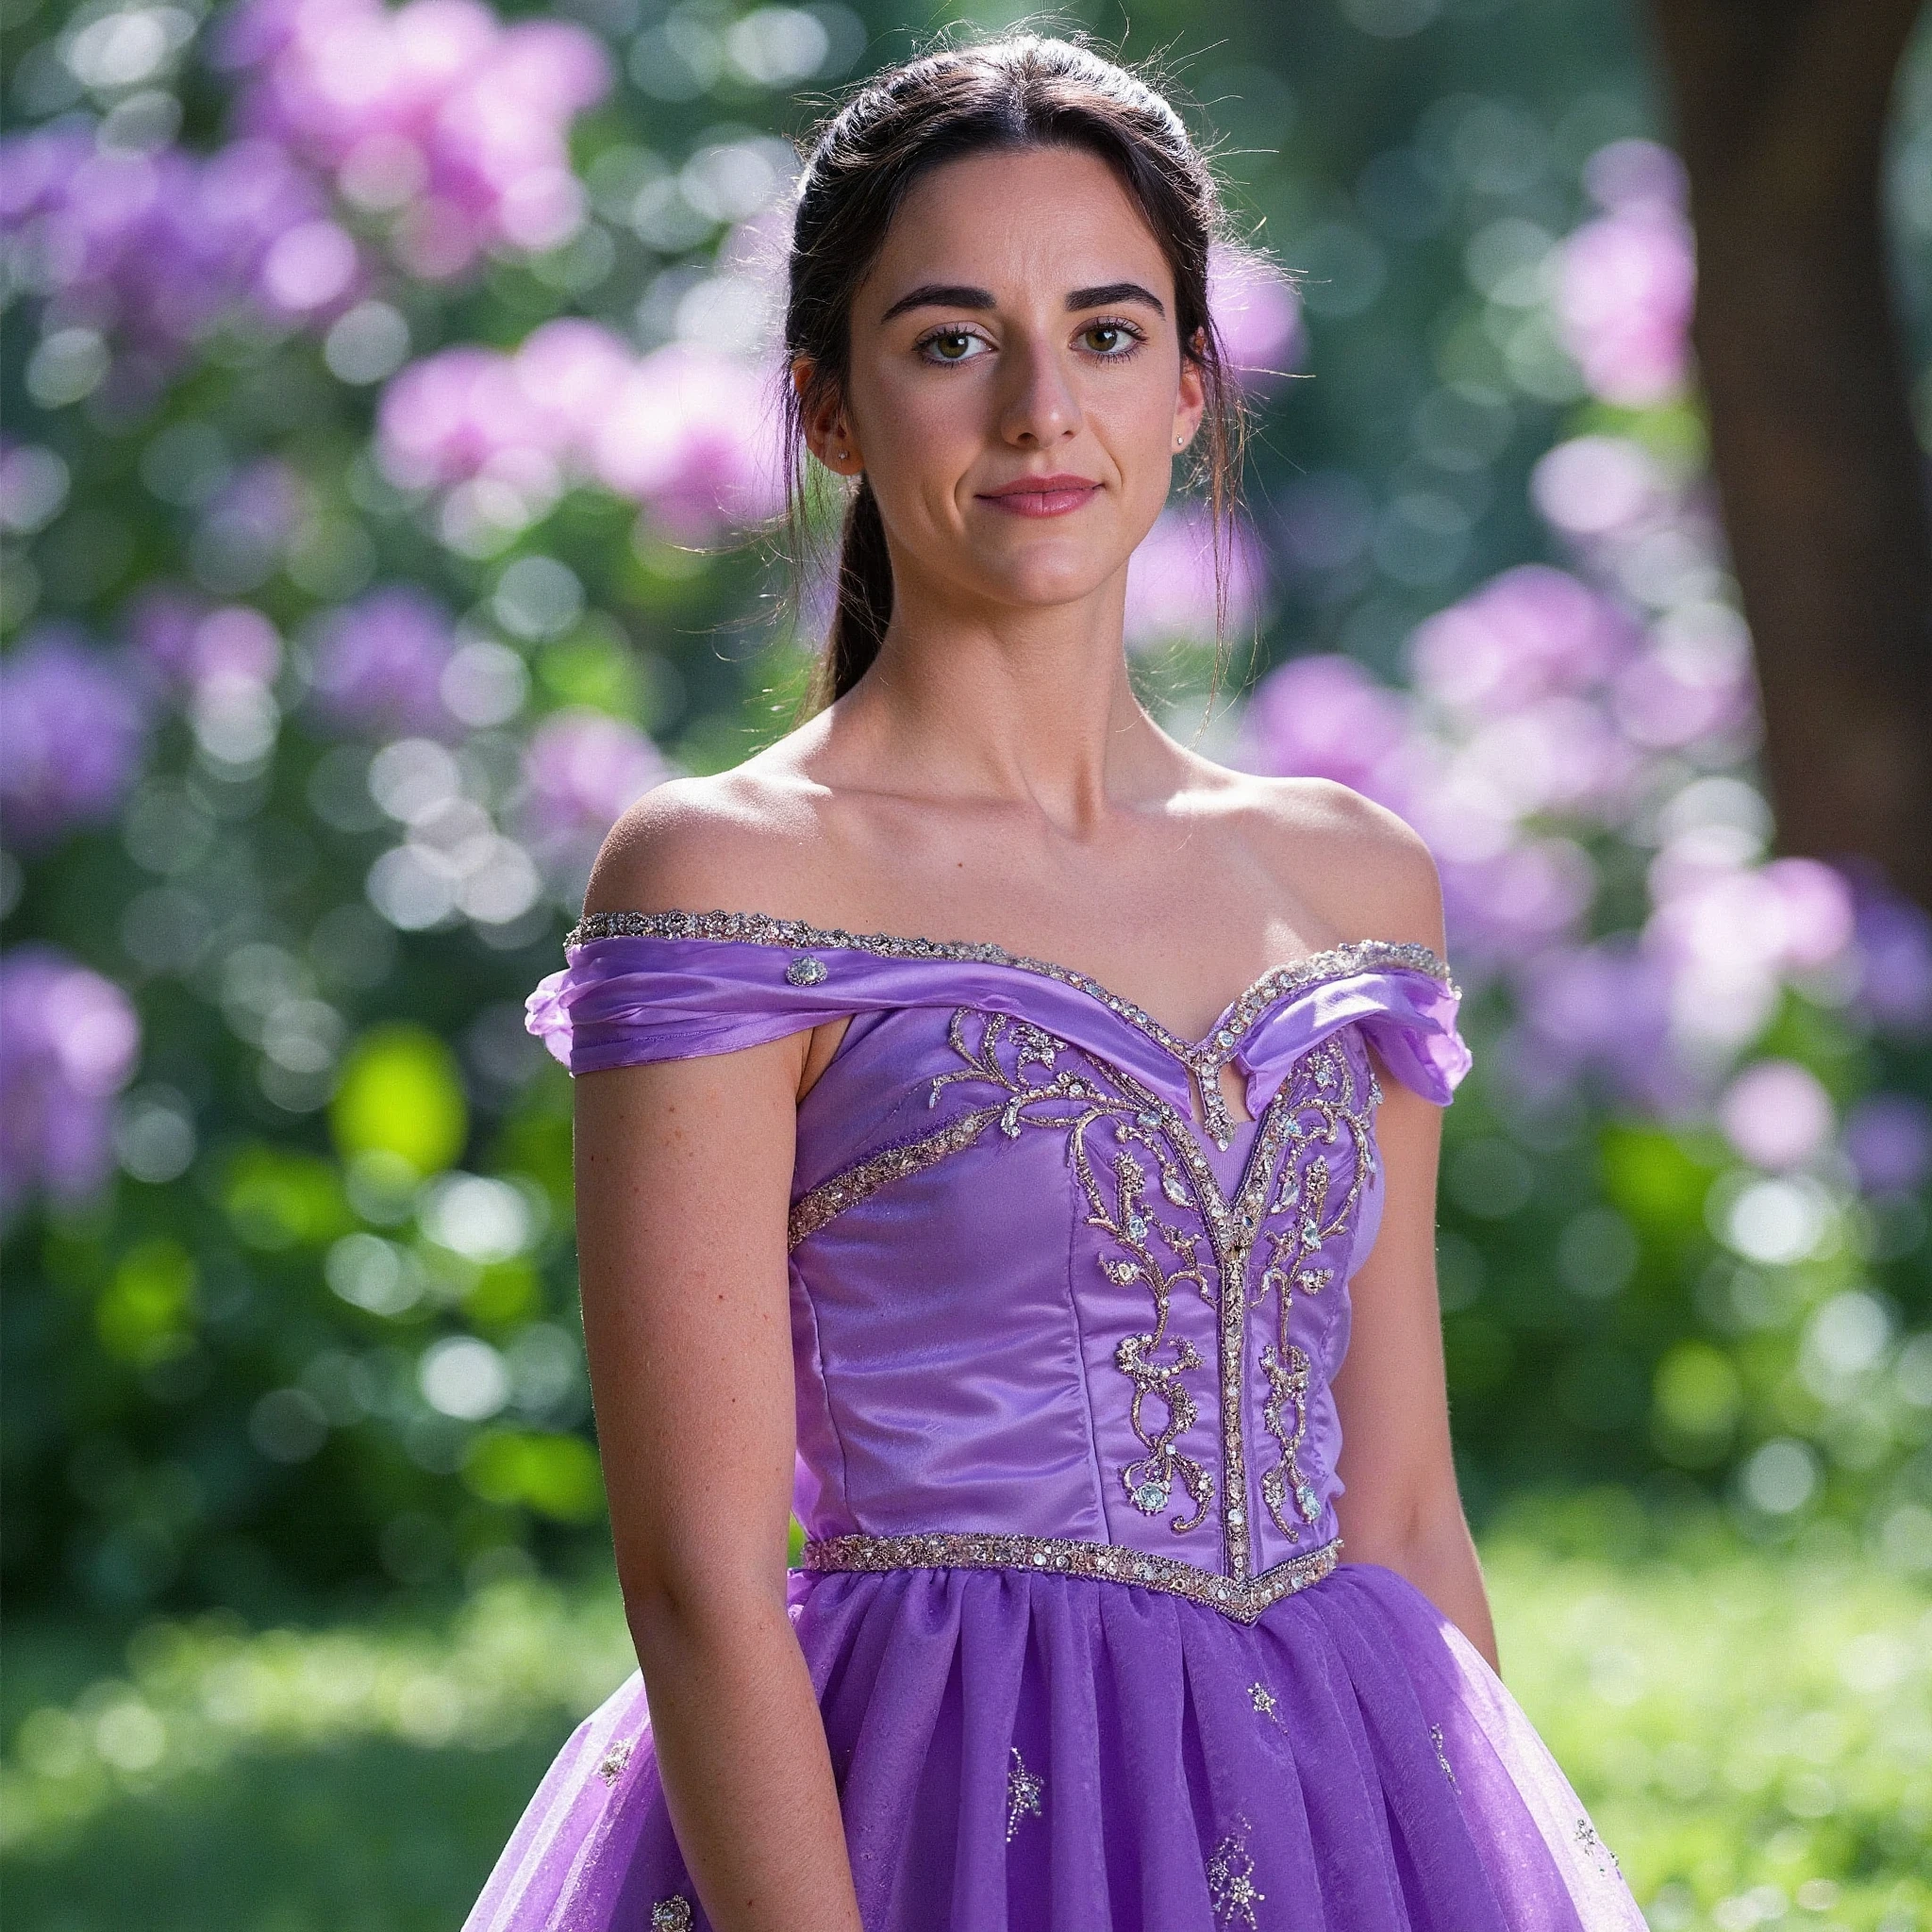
(1401, 1506)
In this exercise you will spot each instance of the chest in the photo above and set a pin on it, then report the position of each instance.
(991, 1105)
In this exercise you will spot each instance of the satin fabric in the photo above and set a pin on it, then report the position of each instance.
(1061, 1752)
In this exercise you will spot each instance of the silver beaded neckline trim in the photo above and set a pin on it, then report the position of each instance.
(1243, 1598)
(1206, 1056)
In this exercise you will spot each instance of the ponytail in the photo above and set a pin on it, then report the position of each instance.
(865, 596)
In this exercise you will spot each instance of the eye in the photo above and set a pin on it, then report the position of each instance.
(951, 345)
(1112, 338)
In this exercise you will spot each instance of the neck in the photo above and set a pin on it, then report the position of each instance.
(996, 703)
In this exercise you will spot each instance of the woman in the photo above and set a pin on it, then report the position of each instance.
(1023, 1265)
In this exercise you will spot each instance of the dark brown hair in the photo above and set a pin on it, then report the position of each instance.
(1018, 91)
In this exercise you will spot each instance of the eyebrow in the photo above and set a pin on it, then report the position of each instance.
(963, 295)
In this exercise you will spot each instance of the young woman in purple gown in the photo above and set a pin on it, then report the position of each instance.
(937, 1191)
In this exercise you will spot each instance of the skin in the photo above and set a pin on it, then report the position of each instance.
(991, 778)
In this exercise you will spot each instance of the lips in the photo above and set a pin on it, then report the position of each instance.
(1042, 496)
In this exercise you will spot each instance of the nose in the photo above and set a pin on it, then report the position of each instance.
(1043, 406)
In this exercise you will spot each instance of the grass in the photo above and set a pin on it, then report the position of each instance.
(1752, 1731)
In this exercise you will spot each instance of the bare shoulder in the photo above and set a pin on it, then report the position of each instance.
(737, 841)
(1363, 870)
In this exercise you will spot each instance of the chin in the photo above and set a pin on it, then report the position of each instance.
(1041, 582)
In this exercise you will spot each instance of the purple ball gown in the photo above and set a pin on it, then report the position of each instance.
(1073, 1601)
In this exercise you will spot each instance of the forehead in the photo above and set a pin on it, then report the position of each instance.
(1056, 218)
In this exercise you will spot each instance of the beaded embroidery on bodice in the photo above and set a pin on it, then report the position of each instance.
(1033, 1320)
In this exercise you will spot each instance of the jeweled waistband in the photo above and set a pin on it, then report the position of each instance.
(1109, 1562)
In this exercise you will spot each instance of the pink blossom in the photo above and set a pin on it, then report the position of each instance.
(569, 372)
(1171, 585)
(584, 767)
(581, 769)
(1597, 1014)
(1596, 486)
(1817, 913)
(1625, 289)
(1893, 951)
(1324, 716)
(1635, 173)
(1888, 1138)
(74, 735)
(1776, 1114)
(685, 431)
(1529, 631)
(376, 665)
(692, 434)
(1693, 681)
(1258, 314)
(155, 249)
(449, 417)
(69, 1043)
(434, 114)
(182, 642)
(1560, 753)
(1530, 893)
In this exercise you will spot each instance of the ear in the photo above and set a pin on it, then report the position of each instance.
(827, 433)
(1190, 398)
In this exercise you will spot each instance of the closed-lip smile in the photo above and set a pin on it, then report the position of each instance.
(1042, 496)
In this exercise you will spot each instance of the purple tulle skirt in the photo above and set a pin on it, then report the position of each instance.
(1020, 1753)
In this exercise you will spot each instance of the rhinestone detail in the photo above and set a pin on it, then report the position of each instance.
(1266, 1705)
(1332, 1103)
(1203, 1057)
(831, 1198)
(1595, 1848)
(807, 972)
(1231, 1887)
(1025, 1790)
(1242, 1599)
(671, 1915)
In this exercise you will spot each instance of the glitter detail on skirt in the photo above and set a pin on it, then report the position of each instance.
(955, 1700)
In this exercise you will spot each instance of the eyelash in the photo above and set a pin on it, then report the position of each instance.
(1135, 335)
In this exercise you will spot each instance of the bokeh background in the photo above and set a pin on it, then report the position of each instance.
(385, 493)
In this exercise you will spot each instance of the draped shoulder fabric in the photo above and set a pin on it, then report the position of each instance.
(1089, 1653)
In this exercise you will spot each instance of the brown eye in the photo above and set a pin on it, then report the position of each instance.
(1103, 338)
(955, 346)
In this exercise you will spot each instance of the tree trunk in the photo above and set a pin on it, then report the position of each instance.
(1780, 108)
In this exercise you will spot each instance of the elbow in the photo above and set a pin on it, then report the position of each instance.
(1409, 1532)
(676, 1614)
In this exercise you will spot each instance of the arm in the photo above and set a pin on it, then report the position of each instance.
(683, 1175)
(1401, 1506)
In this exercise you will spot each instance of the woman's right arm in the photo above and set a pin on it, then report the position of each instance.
(683, 1182)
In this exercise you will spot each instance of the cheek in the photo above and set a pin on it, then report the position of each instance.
(920, 437)
(1135, 408)
(1137, 430)
(911, 408)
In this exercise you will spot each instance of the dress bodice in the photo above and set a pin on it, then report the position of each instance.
(1037, 1309)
